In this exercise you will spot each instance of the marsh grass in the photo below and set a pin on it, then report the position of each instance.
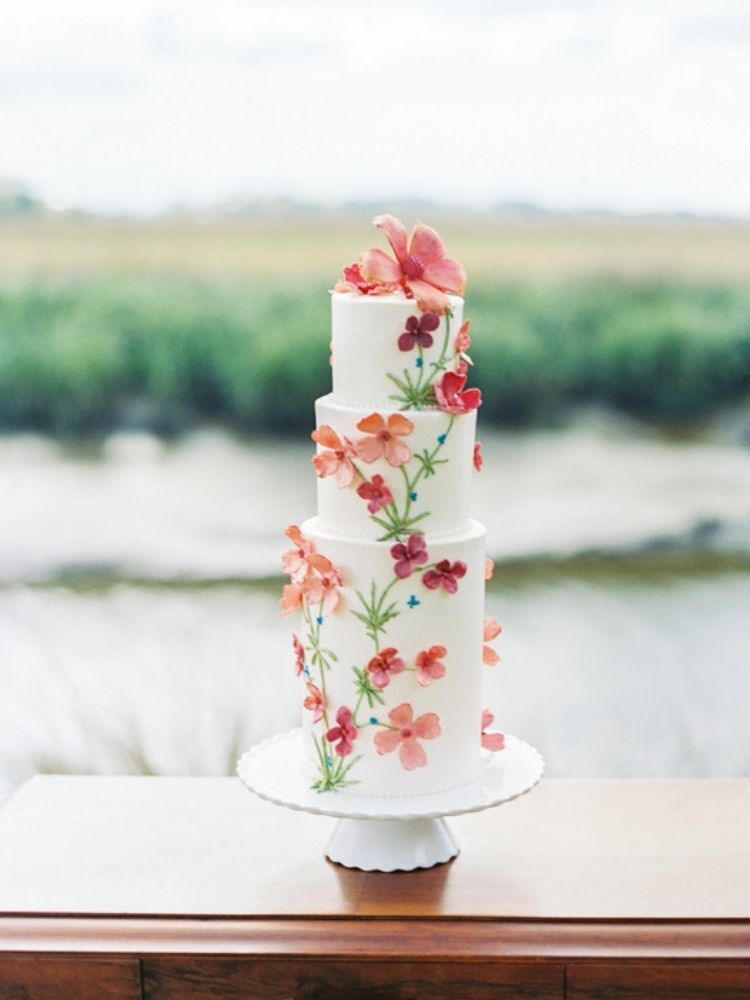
(169, 353)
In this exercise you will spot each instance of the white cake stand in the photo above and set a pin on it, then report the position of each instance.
(387, 833)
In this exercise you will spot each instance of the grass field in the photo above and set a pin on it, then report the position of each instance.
(166, 325)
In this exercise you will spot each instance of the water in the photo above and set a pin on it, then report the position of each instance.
(633, 665)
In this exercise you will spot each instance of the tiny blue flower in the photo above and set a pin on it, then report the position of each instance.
(413, 495)
(419, 362)
(373, 720)
(329, 762)
(441, 438)
(319, 619)
(413, 601)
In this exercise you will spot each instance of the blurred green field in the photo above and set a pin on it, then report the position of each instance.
(165, 325)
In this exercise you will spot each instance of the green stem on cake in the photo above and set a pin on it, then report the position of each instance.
(417, 394)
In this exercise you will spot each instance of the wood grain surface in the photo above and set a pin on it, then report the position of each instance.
(47, 978)
(570, 850)
(659, 981)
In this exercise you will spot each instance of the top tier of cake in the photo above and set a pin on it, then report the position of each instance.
(366, 358)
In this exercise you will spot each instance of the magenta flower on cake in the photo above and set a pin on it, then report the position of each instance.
(452, 397)
(383, 666)
(344, 734)
(376, 492)
(421, 269)
(384, 439)
(337, 459)
(299, 654)
(405, 733)
(445, 574)
(315, 701)
(491, 741)
(429, 665)
(418, 331)
(492, 629)
(408, 554)
(478, 457)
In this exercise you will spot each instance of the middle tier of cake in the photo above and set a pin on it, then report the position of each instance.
(429, 491)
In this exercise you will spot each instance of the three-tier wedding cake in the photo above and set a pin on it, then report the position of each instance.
(389, 577)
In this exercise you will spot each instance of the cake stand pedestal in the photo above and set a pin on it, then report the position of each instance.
(388, 832)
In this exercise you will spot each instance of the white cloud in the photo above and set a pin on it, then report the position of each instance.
(633, 105)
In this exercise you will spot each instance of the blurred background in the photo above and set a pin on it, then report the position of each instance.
(180, 185)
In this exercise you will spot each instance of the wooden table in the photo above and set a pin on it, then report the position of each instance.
(191, 888)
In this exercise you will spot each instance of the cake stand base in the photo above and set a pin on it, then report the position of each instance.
(387, 845)
(388, 833)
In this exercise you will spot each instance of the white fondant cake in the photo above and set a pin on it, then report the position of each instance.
(389, 577)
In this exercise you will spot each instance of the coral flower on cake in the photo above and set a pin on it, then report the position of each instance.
(421, 268)
(291, 598)
(299, 655)
(492, 629)
(382, 667)
(419, 331)
(384, 439)
(405, 732)
(408, 554)
(354, 282)
(376, 492)
(491, 741)
(489, 568)
(478, 457)
(323, 589)
(315, 701)
(452, 397)
(344, 734)
(302, 560)
(336, 460)
(463, 343)
(430, 666)
(445, 574)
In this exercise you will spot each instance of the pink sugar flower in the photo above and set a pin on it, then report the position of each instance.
(299, 655)
(463, 343)
(354, 282)
(376, 492)
(492, 629)
(429, 665)
(421, 268)
(418, 331)
(384, 439)
(315, 701)
(291, 599)
(478, 456)
(408, 554)
(405, 733)
(445, 574)
(337, 459)
(344, 734)
(452, 397)
(491, 741)
(489, 568)
(323, 589)
(383, 666)
(302, 560)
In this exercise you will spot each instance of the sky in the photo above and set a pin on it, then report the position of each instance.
(629, 105)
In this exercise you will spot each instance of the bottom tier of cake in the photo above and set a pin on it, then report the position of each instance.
(390, 654)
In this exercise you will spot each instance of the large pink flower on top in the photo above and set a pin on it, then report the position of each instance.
(384, 439)
(404, 734)
(344, 734)
(337, 459)
(453, 398)
(421, 267)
